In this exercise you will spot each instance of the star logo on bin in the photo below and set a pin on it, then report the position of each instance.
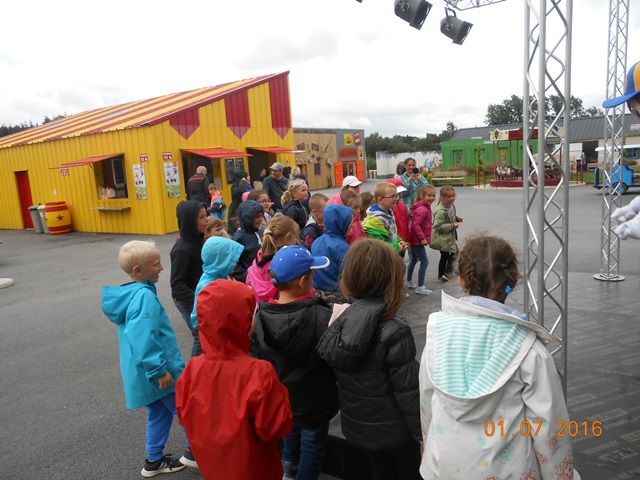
(59, 217)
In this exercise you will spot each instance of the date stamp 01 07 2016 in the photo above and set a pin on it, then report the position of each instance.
(531, 428)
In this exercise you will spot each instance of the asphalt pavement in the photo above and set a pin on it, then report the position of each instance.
(63, 414)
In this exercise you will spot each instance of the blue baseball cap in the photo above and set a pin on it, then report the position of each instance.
(293, 262)
(633, 88)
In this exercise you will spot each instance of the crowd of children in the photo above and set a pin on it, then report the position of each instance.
(294, 318)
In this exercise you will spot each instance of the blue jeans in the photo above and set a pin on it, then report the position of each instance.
(185, 311)
(159, 418)
(418, 254)
(303, 451)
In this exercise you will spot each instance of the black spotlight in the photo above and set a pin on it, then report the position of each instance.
(454, 28)
(412, 11)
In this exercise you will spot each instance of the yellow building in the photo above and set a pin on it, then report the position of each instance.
(124, 169)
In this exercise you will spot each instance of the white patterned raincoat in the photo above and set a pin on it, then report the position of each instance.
(490, 397)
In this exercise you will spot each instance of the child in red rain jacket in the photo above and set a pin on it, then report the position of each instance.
(401, 212)
(233, 407)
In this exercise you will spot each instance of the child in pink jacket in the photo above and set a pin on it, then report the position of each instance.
(420, 237)
(280, 231)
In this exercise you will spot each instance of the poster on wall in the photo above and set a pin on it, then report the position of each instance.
(348, 139)
(172, 179)
(140, 181)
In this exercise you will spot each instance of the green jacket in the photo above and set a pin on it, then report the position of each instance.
(375, 228)
(443, 235)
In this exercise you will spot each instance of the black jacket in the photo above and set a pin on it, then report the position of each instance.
(377, 376)
(198, 189)
(248, 237)
(186, 263)
(296, 210)
(286, 335)
(237, 189)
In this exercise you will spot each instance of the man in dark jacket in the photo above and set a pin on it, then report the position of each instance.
(198, 187)
(286, 333)
(186, 263)
(275, 185)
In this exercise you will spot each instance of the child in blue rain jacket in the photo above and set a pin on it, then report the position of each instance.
(150, 360)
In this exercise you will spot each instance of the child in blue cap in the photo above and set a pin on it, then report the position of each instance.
(286, 332)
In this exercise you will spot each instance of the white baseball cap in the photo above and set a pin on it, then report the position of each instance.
(351, 181)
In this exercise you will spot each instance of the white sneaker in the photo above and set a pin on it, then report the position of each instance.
(411, 284)
(423, 291)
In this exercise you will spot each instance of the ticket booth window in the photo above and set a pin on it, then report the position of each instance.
(111, 178)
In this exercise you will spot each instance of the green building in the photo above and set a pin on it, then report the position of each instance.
(487, 145)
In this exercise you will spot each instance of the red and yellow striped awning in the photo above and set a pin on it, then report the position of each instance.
(130, 115)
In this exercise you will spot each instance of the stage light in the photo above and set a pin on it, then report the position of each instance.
(453, 27)
(412, 11)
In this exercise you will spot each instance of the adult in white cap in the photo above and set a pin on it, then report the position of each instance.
(275, 185)
(348, 183)
(412, 180)
(628, 215)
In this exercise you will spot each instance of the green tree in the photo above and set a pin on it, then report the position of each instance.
(9, 129)
(593, 112)
(509, 111)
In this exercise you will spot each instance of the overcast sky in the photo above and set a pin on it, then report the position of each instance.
(353, 65)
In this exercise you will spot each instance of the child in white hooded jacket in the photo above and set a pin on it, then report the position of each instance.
(491, 401)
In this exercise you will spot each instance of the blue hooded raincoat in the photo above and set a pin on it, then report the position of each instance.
(331, 244)
(147, 344)
(219, 256)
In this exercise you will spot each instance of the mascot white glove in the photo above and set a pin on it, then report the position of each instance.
(627, 212)
(629, 229)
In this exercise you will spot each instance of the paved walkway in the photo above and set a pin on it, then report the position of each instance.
(62, 410)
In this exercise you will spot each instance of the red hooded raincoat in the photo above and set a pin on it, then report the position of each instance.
(233, 407)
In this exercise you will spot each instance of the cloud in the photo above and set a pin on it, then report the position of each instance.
(271, 51)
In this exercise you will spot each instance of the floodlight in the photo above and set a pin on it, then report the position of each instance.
(412, 11)
(453, 27)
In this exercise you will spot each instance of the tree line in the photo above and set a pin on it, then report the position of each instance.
(9, 129)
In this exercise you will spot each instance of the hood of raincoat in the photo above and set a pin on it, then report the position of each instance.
(116, 300)
(219, 256)
(474, 347)
(337, 219)
(225, 314)
(247, 211)
(187, 213)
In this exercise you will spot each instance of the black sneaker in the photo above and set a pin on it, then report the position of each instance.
(166, 464)
(187, 459)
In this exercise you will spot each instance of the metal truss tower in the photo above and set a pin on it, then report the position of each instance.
(613, 139)
(546, 210)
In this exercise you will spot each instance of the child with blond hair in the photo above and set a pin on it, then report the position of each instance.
(293, 202)
(150, 360)
(280, 231)
(380, 223)
(315, 226)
